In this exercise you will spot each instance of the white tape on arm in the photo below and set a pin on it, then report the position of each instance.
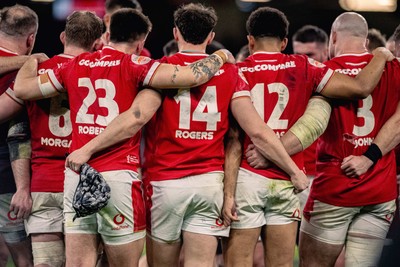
(46, 87)
(313, 122)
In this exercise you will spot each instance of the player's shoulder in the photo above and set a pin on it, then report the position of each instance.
(229, 69)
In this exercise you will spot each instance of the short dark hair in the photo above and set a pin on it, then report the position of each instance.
(82, 28)
(128, 25)
(375, 39)
(113, 5)
(195, 22)
(267, 22)
(18, 21)
(310, 34)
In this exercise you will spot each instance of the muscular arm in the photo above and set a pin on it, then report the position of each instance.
(233, 155)
(302, 134)
(8, 64)
(343, 86)
(8, 108)
(26, 86)
(388, 136)
(124, 126)
(266, 141)
(20, 153)
(197, 73)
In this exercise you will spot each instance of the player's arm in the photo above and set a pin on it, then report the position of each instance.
(8, 107)
(18, 140)
(8, 64)
(343, 86)
(302, 134)
(266, 141)
(29, 86)
(387, 139)
(233, 156)
(195, 74)
(124, 126)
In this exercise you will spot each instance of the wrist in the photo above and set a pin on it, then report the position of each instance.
(24, 189)
(222, 54)
(373, 153)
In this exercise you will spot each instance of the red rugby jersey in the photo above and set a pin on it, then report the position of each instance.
(100, 86)
(352, 128)
(51, 130)
(186, 136)
(281, 86)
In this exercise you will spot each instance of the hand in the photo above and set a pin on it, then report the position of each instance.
(255, 158)
(300, 182)
(40, 57)
(354, 166)
(229, 57)
(21, 204)
(229, 213)
(76, 159)
(384, 52)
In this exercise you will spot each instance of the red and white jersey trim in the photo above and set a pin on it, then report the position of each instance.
(150, 74)
(11, 94)
(324, 80)
(55, 83)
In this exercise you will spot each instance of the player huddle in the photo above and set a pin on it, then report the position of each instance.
(195, 150)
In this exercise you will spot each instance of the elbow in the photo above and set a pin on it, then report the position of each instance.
(364, 93)
(17, 90)
(134, 128)
(362, 90)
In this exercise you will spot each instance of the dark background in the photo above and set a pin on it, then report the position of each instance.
(230, 30)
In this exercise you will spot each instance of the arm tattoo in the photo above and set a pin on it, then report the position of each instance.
(208, 66)
(137, 113)
(173, 78)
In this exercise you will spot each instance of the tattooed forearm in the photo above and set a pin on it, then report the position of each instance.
(208, 66)
(173, 78)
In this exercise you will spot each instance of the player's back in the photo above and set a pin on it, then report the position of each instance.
(281, 86)
(51, 131)
(100, 86)
(186, 135)
(352, 128)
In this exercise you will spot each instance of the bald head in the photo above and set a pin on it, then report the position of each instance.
(351, 24)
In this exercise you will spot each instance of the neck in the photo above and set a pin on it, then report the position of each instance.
(350, 45)
(127, 48)
(191, 48)
(14, 45)
(73, 50)
(269, 45)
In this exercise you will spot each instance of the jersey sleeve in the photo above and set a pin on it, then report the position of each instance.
(319, 74)
(52, 80)
(242, 86)
(10, 92)
(143, 68)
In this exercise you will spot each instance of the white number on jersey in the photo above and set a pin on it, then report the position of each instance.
(369, 119)
(106, 102)
(257, 95)
(207, 102)
(59, 114)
